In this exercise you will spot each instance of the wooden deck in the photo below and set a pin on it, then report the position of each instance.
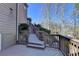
(22, 50)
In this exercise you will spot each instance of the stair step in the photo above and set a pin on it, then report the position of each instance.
(36, 46)
(34, 43)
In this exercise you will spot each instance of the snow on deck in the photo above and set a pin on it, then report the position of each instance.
(34, 39)
(22, 50)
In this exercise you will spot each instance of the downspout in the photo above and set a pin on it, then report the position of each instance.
(16, 21)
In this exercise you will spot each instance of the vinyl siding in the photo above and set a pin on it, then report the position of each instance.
(7, 24)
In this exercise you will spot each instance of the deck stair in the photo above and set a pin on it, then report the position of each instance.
(33, 41)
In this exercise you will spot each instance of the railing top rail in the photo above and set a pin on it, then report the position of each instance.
(63, 36)
(66, 37)
(75, 40)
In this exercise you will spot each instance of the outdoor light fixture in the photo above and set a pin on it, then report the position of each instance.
(11, 9)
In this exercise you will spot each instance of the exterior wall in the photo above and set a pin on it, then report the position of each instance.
(7, 24)
(21, 14)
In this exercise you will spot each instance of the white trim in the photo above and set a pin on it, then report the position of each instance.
(17, 21)
(0, 41)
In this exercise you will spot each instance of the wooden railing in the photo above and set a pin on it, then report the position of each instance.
(67, 45)
(64, 44)
(74, 47)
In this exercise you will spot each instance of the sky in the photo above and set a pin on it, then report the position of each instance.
(34, 11)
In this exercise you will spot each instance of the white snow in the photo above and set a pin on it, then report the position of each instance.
(34, 39)
(22, 50)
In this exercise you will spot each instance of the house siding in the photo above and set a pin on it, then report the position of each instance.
(11, 15)
(7, 24)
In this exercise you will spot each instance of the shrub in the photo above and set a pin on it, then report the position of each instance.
(42, 29)
(22, 27)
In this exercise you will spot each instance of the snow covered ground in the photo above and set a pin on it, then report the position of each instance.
(33, 41)
(22, 50)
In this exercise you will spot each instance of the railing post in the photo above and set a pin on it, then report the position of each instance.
(59, 41)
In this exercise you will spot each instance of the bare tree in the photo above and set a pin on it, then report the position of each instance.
(46, 15)
(76, 17)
